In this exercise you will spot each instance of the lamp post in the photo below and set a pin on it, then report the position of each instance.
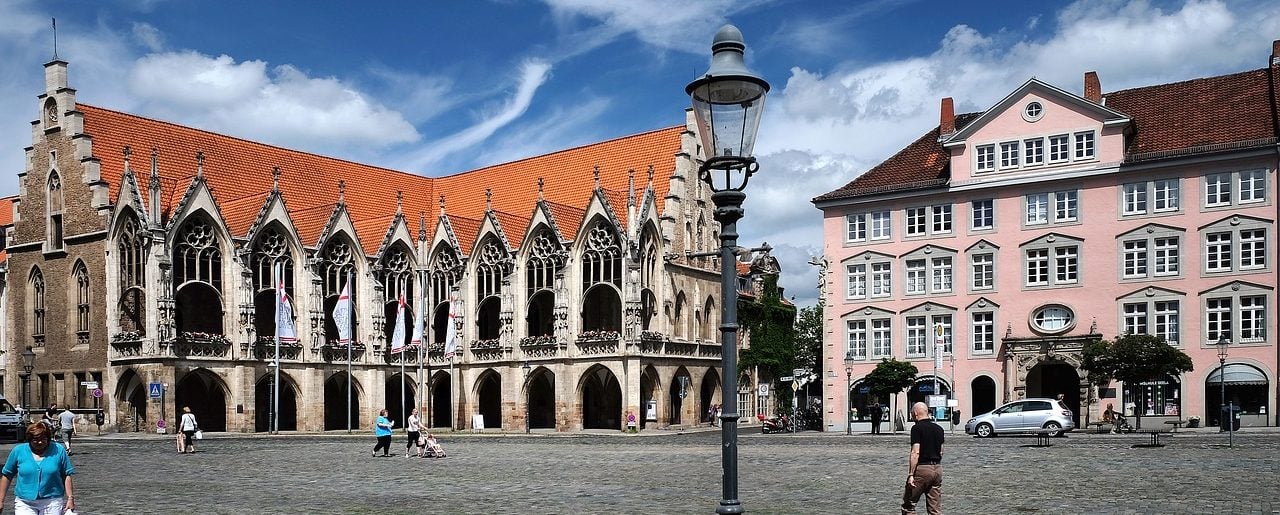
(1223, 342)
(848, 394)
(727, 102)
(527, 410)
(28, 364)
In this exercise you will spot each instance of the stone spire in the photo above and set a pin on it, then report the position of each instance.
(342, 191)
(441, 204)
(200, 164)
(275, 179)
(399, 202)
(488, 199)
(631, 187)
(595, 171)
(153, 185)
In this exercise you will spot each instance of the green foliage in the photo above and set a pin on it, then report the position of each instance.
(771, 325)
(808, 330)
(890, 377)
(1134, 358)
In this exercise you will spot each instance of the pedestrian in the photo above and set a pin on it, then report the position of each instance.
(413, 427)
(924, 467)
(188, 427)
(67, 421)
(876, 412)
(382, 430)
(41, 475)
(50, 418)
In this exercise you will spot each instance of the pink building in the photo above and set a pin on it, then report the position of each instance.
(1050, 220)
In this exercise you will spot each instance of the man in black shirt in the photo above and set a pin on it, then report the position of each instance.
(876, 412)
(924, 471)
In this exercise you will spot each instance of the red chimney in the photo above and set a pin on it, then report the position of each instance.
(947, 123)
(1092, 88)
(1275, 52)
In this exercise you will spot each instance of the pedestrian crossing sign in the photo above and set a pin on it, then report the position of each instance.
(155, 390)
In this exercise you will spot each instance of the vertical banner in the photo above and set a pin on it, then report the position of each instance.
(397, 335)
(451, 329)
(342, 313)
(285, 331)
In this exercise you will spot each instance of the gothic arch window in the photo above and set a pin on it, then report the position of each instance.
(81, 275)
(270, 249)
(337, 268)
(132, 276)
(397, 280)
(649, 259)
(677, 318)
(490, 270)
(602, 279)
(444, 270)
(36, 301)
(197, 272)
(54, 205)
(546, 258)
(708, 318)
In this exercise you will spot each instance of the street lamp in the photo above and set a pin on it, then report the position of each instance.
(28, 363)
(527, 410)
(1223, 342)
(727, 102)
(848, 394)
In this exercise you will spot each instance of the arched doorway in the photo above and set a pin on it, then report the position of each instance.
(398, 408)
(1246, 387)
(1051, 379)
(337, 412)
(203, 392)
(649, 388)
(131, 393)
(441, 400)
(923, 388)
(601, 309)
(601, 400)
(681, 388)
(860, 399)
(708, 396)
(288, 420)
(542, 399)
(489, 399)
(983, 390)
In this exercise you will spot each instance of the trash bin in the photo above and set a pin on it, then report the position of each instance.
(1231, 418)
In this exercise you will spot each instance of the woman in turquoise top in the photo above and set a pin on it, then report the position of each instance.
(382, 430)
(43, 475)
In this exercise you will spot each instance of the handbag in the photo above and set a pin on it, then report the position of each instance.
(199, 435)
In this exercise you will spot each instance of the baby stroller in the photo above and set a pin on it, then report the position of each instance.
(429, 447)
(1121, 425)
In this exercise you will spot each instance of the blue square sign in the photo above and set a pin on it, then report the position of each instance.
(154, 390)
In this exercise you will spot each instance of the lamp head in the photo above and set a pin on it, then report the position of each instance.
(28, 360)
(728, 101)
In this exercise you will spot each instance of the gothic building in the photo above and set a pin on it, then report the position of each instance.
(142, 252)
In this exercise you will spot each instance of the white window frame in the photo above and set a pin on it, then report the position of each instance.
(881, 337)
(1056, 255)
(1085, 147)
(939, 263)
(855, 281)
(1241, 309)
(941, 219)
(1009, 151)
(881, 279)
(1160, 313)
(881, 225)
(917, 341)
(856, 338)
(982, 271)
(982, 332)
(1051, 208)
(917, 272)
(1036, 209)
(917, 223)
(1166, 195)
(982, 210)
(1150, 251)
(1217, 189)
(1066, 264)
(1252, 186)
(1135, 198)
(855, 227)
(984, 158)
(1033, 152)
(1234, 245)
(1066, 206)
(1134, 259)
(942, 274)
(1059, 148)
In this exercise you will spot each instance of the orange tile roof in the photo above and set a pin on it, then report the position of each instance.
(239, 170)
(6, 220)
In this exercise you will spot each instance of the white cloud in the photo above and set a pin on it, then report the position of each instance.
(283, 106)
(533, 73)
(148, 36)
(668, 24)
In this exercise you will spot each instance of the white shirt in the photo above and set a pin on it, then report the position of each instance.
(188, 422)
(414, 423)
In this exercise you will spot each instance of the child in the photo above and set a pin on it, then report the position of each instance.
(421, 446)
(433, 447)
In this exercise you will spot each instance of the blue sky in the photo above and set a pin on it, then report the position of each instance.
(438, 88)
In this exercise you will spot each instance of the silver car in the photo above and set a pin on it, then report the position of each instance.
(1023, 416)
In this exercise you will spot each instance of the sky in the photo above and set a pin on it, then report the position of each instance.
(438, 88)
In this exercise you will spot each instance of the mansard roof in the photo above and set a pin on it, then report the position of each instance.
(239, 171)
(1199, 116)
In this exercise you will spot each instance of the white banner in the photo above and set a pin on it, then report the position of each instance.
(416, 339)
(342, 313)
(397, 335)
(451, 329)
(285, 332)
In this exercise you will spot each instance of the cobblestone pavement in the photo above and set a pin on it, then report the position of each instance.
(667, 472)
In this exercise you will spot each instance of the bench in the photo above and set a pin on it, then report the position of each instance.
(1176, 424)
(1098, 426)
(1042, 439)
(1155, 438)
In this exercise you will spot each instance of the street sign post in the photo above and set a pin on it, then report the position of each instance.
(786, 379)
(155, 390)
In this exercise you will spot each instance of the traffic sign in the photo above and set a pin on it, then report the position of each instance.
(155, 390)
(786, 378)
(89, 384)
(97, 393)
(799, 371)
(764, 390)
(795, 386)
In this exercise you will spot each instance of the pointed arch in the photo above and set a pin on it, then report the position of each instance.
(444, 270)
(273, 245)
(264, 396)
(493, 263)
(709, 317)
(678, 324)
(339, 265)
(131, 267)
(54, 205)
(338, 412)
(80, 297)
(601, 396)
(487, 392)
(36, 301)
(206, 394)
(396, 270)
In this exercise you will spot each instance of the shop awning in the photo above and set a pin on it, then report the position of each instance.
(1237, 373)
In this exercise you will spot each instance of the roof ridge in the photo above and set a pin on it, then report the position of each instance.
(1187, 81)
(562, 151)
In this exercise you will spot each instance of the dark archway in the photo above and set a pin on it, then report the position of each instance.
(1050, 380)
(441, 400)
(542, 400)
(984, 395)
(288, 403)
(681, 388)
(539, 321)
(487, 321)
(264, 311)
(131, 393)
(203, 392)
(601, 400)
(648, 389)
(601, 309)
(489, 400)
(337, 412)
(1247, 388)
(648, 308)
(708, 395)
(439, 323)
(199, 309)
(398, 408)
(389, 329)
(923, 388)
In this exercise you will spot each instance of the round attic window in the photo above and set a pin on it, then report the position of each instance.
(1033, 111)
(1053, 319)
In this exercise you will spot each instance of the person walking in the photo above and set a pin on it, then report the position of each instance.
(188, 426)
(924, 467)
(382, 430)
(41, 474)
(67, 423)
(876, 412)
(414, 429)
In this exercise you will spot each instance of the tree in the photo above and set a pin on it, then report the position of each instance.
(890, 377)
(770, 324)
(1132, 359)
